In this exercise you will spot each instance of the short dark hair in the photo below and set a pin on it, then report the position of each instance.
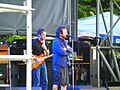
(59, 30)
(40, 31)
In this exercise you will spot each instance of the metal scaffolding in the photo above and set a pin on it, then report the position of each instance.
(110, 46)
(28, 12)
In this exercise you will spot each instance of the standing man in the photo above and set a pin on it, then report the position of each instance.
(40, 47)
(60, 60)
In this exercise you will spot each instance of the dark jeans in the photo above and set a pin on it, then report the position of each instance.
(40, 77)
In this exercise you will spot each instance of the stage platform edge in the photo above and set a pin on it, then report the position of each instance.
(81, 87)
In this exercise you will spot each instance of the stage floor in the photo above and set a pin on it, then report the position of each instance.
(76, 87)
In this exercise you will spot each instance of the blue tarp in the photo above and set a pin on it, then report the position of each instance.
(87, 26)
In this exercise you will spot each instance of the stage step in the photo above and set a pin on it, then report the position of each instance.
(114, 88)
(94, 88)
(114, 83)
(20, 88)
(101, 88)
(87, 87)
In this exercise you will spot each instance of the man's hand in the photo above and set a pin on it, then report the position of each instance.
(45, 48)
(40, 61)
(64, 49)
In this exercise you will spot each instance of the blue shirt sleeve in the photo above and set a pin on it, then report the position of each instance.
(57, 48)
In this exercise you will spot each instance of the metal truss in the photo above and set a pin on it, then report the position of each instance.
(23, 9)
(101, 47)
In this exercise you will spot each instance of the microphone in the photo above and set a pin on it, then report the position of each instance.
(71, 36)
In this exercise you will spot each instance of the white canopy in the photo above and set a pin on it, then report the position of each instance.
(87, 26)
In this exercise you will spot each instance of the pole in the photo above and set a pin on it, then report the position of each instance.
(73, 54)
(97, 47)
(29, 45)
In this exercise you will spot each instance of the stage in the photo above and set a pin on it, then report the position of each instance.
(78, 87)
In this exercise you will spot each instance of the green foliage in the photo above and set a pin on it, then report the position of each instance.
(87, 8)
(11, 38)
(15, 37)
(118, 1)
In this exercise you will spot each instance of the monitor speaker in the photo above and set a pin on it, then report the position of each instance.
(19, 43)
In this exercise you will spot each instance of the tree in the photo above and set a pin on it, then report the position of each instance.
(88, 7)
(85, 9)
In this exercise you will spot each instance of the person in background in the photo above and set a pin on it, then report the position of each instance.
(60, 60)
(40, 48)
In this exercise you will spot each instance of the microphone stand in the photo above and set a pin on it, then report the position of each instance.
(73, 57)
